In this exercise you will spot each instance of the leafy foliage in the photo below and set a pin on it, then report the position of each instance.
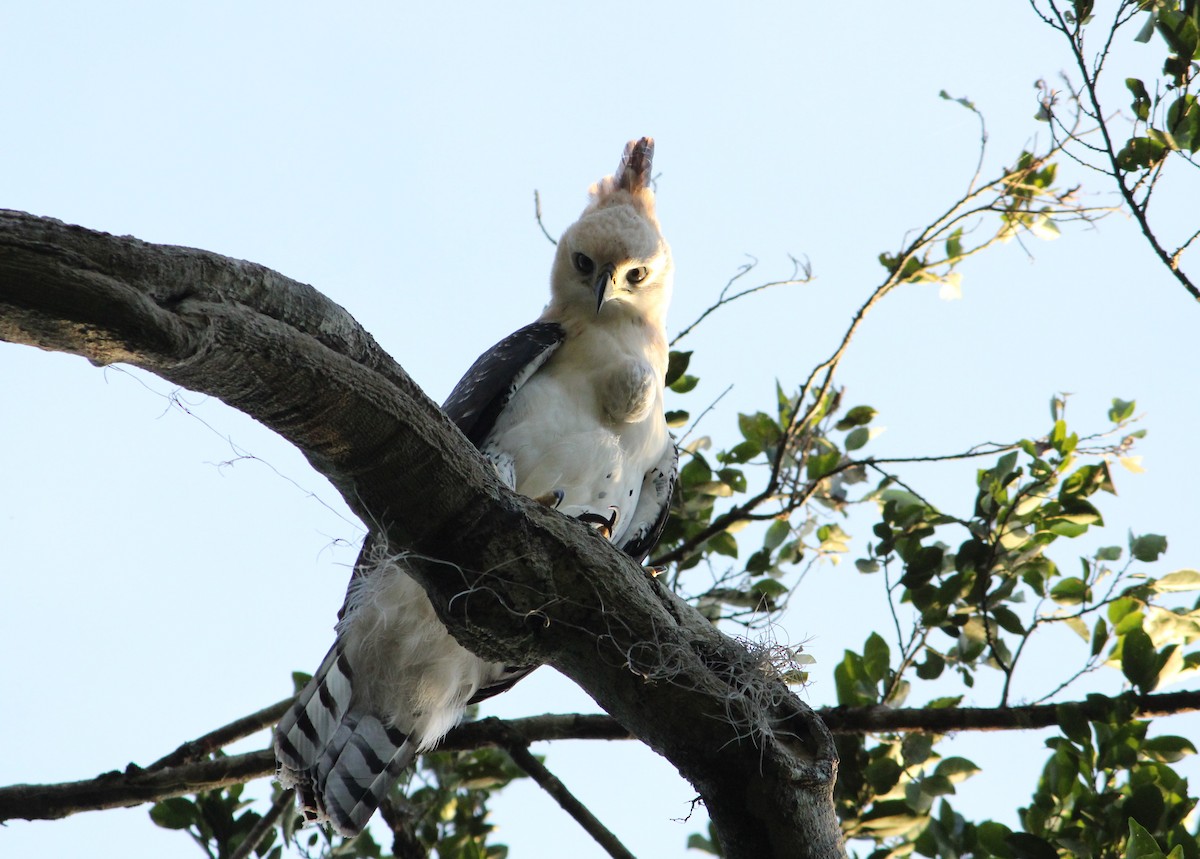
(217, 820)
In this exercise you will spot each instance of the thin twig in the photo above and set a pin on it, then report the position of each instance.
(201, 747)
(700, 416)
(801, 273)
(550, 783)
(537, 213)
(265, 824)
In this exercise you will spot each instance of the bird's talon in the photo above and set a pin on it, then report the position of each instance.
(655, 570)
(603, 525)
(551, 499)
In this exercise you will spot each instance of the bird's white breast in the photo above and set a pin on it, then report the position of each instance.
(588, 424)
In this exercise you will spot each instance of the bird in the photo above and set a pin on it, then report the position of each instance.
(569, 411)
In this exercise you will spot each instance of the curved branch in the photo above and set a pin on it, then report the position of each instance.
(512, 580)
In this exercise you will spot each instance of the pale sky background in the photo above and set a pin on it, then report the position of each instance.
(387, 154)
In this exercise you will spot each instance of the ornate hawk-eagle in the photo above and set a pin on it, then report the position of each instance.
(569, 410)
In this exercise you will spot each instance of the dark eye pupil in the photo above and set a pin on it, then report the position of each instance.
(583, 264)
(636, 275)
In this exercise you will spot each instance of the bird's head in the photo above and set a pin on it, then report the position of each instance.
(613, 261)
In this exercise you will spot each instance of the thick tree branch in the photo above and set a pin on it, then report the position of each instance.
(135, 785)
(512, 580)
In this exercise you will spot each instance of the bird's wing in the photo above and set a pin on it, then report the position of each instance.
(477, 401)
(654, 505)
(485, 390)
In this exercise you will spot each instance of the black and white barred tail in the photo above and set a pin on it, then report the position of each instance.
(341, 760)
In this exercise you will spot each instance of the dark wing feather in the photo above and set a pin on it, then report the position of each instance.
(485, 390)
(654, 507)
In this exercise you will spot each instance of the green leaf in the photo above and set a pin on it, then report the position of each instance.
(1085, 481)
(1070, 591)
(723, 543)
(759, 428)
(1147, 547)
(1139, 153)
(677, 364)
(1121, 410)
(1168, 749)
(916, 748)
(733, 478)
(768, 591)
(1065, 527)
(696, 841)
(1008, 620)
(174, 813)
(883, 774)
(857, 438)
(1180, 580)
(759, 562)
(742, 452)
(856, 417)
(964, 101)
(822, 464)
(932, 667)
(1074, 723)
(676, 418)
(1139, 660)
(1026, 846)
(684, 384)
(956, 769)
(850, 680)
(1141, 843)
(992, 837)
(876, 657)
(865, 565)
(1099, 636)
(1141, 98)
(1183, 121)
(954, 245)
(777, 532)
(935, 785)
(945, 703)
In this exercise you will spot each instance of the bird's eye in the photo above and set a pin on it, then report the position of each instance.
(583, 263)
(636, 275)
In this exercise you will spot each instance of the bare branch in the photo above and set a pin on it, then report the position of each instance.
(265, 824)
(537, 213)
(550, 783)
(136, 785)
(801, 273)
(201, 747)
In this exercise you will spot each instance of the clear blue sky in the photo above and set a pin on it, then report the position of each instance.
(152, 589)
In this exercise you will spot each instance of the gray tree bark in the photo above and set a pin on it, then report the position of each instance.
(512, 580)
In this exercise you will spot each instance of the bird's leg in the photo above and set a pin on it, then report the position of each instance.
(604, 526)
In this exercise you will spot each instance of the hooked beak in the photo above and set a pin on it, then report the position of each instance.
(605, 279)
